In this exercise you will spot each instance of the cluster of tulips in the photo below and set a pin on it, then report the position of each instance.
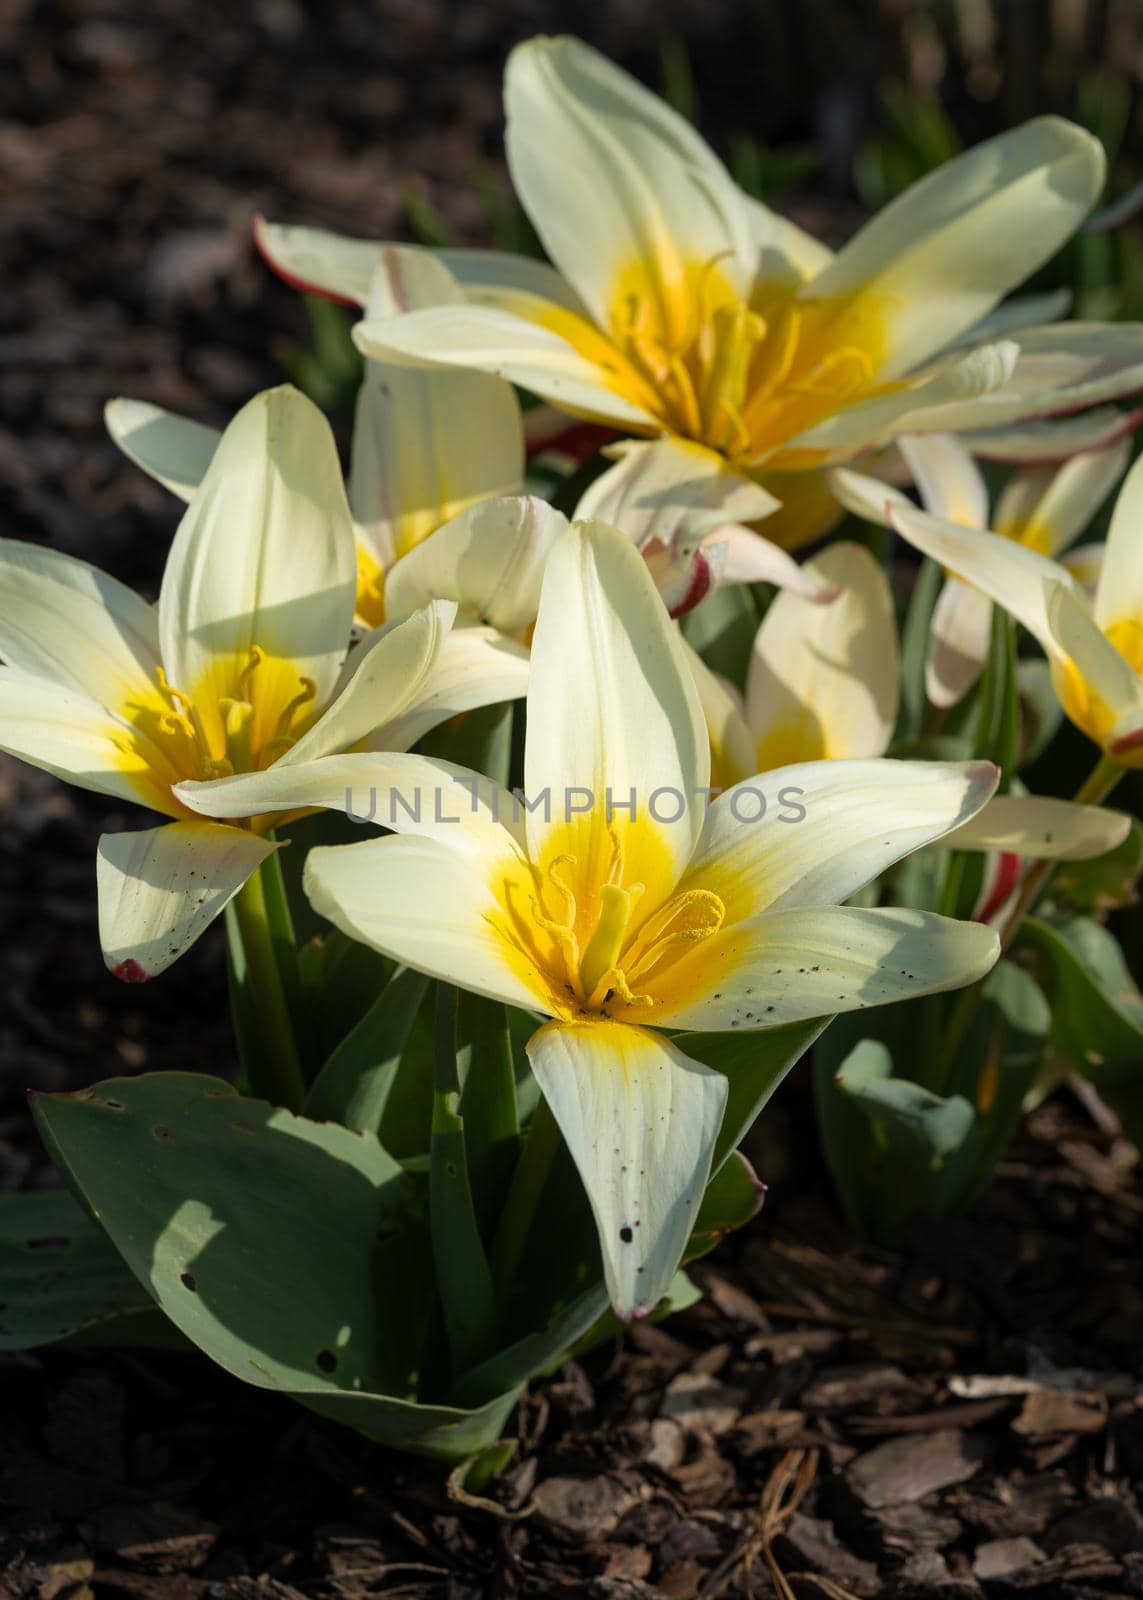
(556, 802)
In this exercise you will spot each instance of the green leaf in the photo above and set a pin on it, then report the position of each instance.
(1105, 883)
(754, 1064)
(998, 724)
(59, 1273)
(1097, 1009)
(732, 1197)
(722, 630)
(487, 1075)
(915, 650)
(464, 1280)
(354, 1085)
(1040, 710)
(1000, 1061)
(934, 1126)
(480, 740)
(277, 1245)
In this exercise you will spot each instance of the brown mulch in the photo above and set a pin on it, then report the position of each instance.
(964, 1421)
(830, 1421)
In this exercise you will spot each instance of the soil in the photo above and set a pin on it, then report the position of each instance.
(964, 1419)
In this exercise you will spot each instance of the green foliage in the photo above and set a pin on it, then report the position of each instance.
(901, 1146)
(60, 1275)
(328, 368)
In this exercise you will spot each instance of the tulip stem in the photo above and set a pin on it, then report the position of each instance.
(274, 1067)
(522, 1205)
(1100, 782)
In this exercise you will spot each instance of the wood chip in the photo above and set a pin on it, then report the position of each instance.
(912, 1467)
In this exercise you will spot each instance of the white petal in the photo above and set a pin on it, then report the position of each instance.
(342, 268)
(793, 964)
(389, 672)
(961, 630)
(426, 905)
(942, 255)
(823, 680)
(1063, 368)
(1085, 563)
(1011, 574)
(828, 828)
(672, 491)
(171, 449)
(614, 181)
(732, 748)
(949, 481)
(517, 347)
(1044, 829)
(1048, 509)
(1015, 314)
(264, 556)
(386, 789)
(1112, 678)
(66, 621)
(750, 557)
(956, 384)
(612, 705)
(640, 1119)
(475, 667)
(490, 559)
(787, 253)
(426, 441)
(1119, 597)
(65, 733)
(318, 261)
(160, 889)
(866, 496)
(1056, 441)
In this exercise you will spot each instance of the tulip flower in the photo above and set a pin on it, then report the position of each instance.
(426, 444)
(676, 304)
(1095, 648)
(823, 684)
(617, 903)
(1044, 508)
(244, 666)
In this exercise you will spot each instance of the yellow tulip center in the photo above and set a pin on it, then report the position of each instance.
(602, 948)
(370, 604)
(1087, 709)
(741, 378)
(242, 718)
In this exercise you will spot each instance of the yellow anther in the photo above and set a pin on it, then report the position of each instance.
(253, 661)
(172, 724)
(238, 726)
(689, 918)
(175, 698)
(305, 694)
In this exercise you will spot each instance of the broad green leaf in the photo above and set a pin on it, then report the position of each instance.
(934, 1126)
(59, 1273)
(277, 1245)
(354, 1085)
(1097, 1010)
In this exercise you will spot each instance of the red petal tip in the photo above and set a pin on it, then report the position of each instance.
(130, 971)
